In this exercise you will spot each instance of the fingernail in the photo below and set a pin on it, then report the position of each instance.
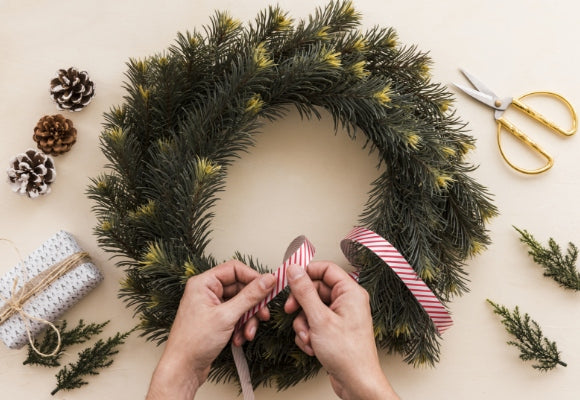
(294, 272)
(266, 282)
(252, 331)
(238, 338)
(303, 335)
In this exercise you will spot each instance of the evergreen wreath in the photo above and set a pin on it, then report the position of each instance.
(190, 111)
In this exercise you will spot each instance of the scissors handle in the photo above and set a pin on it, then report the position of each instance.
(511, 128)
(543, 120)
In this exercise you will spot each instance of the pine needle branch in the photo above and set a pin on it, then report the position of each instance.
(558, 266)
(90, 360)
(79, 334)
(529, 338)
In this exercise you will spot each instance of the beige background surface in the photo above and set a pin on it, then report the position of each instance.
(515, 46)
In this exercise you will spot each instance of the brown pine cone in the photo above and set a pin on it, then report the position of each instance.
(72, 90)
(31, 173)
(54, 134)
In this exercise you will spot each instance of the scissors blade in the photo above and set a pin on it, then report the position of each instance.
(487, 99)
(477, 83)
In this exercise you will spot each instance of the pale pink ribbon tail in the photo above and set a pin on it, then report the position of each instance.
(243, 372)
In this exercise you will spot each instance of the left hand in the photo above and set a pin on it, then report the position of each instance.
(211, 305)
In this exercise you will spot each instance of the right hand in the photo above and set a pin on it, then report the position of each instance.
(335, 325)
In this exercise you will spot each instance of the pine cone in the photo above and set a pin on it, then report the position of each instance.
(31, 173)
(54, 134)
(72, 90)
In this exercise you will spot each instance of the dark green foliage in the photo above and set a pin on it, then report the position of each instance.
(190, 111)
(559, 267)
(529, 338)
(90, 361)
(79, 334)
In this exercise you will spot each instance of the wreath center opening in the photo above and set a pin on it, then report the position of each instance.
(300, 178)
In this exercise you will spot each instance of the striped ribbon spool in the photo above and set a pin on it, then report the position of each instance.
(389, 254)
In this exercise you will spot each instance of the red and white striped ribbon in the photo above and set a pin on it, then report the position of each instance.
(401, 267)
(299, 252)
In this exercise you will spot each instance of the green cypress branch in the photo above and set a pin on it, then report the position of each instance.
(90, 361)
(530, 340)
(79, 334)
(559, 267)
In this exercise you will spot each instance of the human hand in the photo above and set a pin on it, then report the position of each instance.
(211, 305)
(335, 325)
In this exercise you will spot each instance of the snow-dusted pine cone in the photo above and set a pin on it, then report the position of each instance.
(54, 134)
(72, 89)
(31, 173)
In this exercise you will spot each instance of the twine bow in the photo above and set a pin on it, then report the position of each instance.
(18, 298)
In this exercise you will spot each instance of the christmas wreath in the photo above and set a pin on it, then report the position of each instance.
(190, 111)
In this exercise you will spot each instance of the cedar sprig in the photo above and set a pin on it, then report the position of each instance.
(90, 361)
(529, 338)
(79, 334)
(558, 266)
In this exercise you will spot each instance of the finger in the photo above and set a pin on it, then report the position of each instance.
(263, 313)
(305, 293)
(250, 295)
(324, 292)
(304, 347)
(230, 291)
(238, 338)
(328, 272)
(224, 292)
(301, 327)
(234, 271)
(291, 305)
(250, 328)
(205, 280)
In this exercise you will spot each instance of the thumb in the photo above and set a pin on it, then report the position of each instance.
(251, 295)
(304, 292)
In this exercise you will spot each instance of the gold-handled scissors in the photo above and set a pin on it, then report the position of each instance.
(500, 105)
